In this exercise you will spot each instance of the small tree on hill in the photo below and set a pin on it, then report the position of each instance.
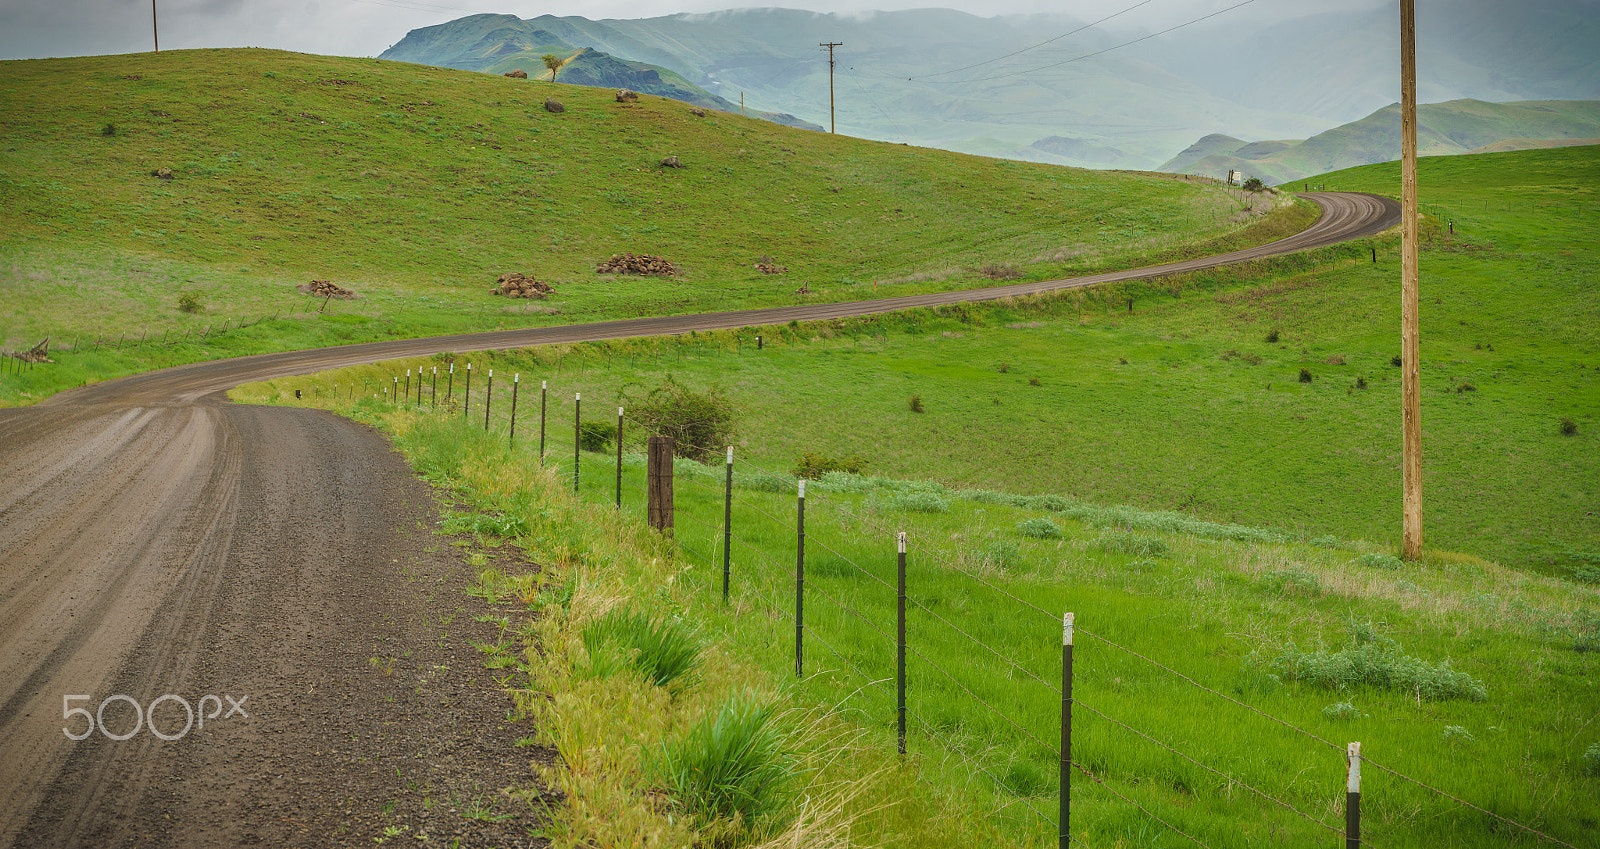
(1253, 184)
(553, 62)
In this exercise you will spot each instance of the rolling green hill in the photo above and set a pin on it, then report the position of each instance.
(1461, 126)
(418, 186)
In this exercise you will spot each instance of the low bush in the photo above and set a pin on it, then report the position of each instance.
(701, 422)
(1343, 710)
(189, 302)
(1377, 663)
(1273, 336)
(1130, 543)
(596, 436)
(1568, 426)
(915, 403)
(1305, 375)
(1381, 561)
(1039, 528)
(812, 465)
(1591, 761)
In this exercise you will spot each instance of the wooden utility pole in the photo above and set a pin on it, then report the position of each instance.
(154, 30)
(830, 45)
(1410, 342)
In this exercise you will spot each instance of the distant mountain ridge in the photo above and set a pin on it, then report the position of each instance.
(1460, 126)
(500, 44)
(932, 77)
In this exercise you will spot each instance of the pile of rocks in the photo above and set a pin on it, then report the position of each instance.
(325, 289)
(515, 284)
(518, 74)
(768, 267)
(637, 264)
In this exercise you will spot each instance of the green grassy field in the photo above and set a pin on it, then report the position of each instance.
(418, 186)
(1490, 693)
(1184, 405)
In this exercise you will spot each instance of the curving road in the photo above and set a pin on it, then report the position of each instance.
(156, 540)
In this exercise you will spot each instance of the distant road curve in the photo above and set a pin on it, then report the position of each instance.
(1345, 216)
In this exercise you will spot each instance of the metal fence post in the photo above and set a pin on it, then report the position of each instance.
(544, 392)
(1352, 798)
(619, 458)
(577, 436)
(727, 529)
(800, 583)
(900, 663)
(488, 400)
(516, 380)
(450, 385)
(1066, 731)
(433, 391)
(466, 394)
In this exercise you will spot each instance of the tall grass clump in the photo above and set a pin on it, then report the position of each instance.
(663, 651)
(730, 771)
(1130, 543)
(1378, 662)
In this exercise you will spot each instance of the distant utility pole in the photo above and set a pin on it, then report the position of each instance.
(153, 28)
(830, 45)
(1410, 343)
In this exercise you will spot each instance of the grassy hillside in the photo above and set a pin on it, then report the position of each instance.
(1460, 126)
(1186, 405)
(418, 186)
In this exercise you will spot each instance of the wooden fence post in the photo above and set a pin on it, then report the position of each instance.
(659, 508)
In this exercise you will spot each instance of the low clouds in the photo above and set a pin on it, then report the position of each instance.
(30, 29)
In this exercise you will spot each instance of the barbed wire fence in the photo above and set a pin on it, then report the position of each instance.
(763, 577)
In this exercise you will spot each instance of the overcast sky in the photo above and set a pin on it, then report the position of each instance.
(40, 28)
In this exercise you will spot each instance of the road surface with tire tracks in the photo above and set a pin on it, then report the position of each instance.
(158, 541)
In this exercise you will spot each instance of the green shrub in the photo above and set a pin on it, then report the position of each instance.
(663, 651)
(1378, 663)
(1361, 383)
(1293, 582)
(1343, 710)
(812, 465)
(1591, 761)
(769, 482)
(1586, 628)
(189, 302)
(1130, 543)
(1305, 375)
(920, 501)
(1034, 381)
(1273, 336)
(596, 436)
(730, 767)
(1457, 735)
(1568, 426)
(1381, 561)
(1039, 528)
(1002, 554)
(915, 403)
(1465, 387)
(701, 422)
(1253, 184)
(108, 130)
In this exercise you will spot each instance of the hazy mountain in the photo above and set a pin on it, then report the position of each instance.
(502, 43)
(943, 78)
(1343, 66)
(1460, 126)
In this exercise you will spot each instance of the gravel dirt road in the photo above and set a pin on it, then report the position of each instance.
(276, 571)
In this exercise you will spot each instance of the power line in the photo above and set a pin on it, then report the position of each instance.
(1036, 46)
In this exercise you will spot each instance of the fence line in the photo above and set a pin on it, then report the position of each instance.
(750, 587)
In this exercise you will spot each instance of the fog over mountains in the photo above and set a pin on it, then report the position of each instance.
(942, 78)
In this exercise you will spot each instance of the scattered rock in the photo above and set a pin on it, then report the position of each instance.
(768, 267)
(637, 264)
(697, 112)
(626, 96)
(553, 105)
(518, 74)
(325, 289)
(803, 290)
(515, 284)
(671, 162)
(163, 172)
